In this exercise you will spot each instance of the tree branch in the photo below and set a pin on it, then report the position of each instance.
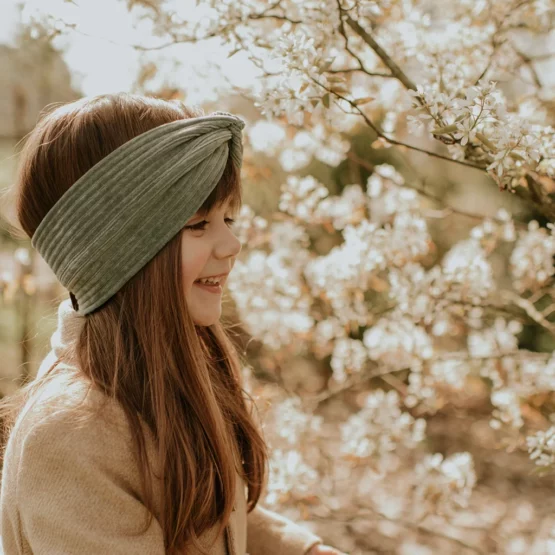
(530, 310)
(396, 71)
(529, 63)
(355, 69)
(448, 208)
(542, 201)
(373, 126)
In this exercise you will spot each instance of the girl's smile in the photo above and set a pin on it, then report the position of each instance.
(215, 288)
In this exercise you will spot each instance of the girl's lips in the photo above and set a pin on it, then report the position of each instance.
(212, 288)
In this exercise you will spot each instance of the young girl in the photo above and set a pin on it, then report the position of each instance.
(136, 436)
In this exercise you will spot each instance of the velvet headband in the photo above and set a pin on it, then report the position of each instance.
(119, 214)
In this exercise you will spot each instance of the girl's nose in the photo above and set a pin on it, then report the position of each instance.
(228, 246)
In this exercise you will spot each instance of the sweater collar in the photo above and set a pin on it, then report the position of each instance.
(65, 336)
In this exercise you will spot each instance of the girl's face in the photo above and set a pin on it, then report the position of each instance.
(208, 248)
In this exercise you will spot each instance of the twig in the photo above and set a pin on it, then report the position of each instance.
(346, 39)
(530, 309)
(542, 201)
(355, 69)
(382, 54)
(448, 208)
(528, 62)
(371, 124)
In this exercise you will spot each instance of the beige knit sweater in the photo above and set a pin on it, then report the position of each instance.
(71, 488)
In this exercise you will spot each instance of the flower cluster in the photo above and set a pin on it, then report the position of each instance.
(284, 99)
(289, 432)
(308, 200)
(387, 196)
(443, 484)
(541, 447)
(429, 377)
(269, 294)
(532, 257)
(324, 335)
(477, 116)
(300, 197)
(289, 477)
(248, 225)
(298, 52)
(379, 428)
(349, 357)
(322, 143)
(397, 342)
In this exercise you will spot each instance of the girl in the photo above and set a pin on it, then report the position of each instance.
(136, 437)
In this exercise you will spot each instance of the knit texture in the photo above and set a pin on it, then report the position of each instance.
(72, 487)
(114, 219)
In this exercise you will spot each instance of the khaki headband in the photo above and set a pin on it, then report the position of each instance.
(115, 218)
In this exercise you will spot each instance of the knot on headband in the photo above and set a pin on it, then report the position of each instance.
(115, 218)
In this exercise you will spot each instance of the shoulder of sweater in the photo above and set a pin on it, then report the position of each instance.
(72, 429)
(67, 405)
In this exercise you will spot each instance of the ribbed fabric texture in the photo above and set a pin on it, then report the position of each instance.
(118, 216)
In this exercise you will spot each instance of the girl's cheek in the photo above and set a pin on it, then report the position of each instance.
(193, 266)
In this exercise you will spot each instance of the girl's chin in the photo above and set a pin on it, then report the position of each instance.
(204, 323)
(204, 317)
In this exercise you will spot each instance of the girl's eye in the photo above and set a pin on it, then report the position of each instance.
(201, 225)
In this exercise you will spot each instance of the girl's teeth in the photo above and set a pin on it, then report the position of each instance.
(208, 282)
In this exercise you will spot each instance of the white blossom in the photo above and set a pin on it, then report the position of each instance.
(289, 477)
(397, 343)
(541, 447)
(324, 335)
(270, 298)
(467, 266)
(444, 484)
(496, 340)
(349, 356)
(347, 208)
(379, 428)
(532, 257)
(300, 197)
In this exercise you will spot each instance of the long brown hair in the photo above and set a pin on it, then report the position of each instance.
(183, 380)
